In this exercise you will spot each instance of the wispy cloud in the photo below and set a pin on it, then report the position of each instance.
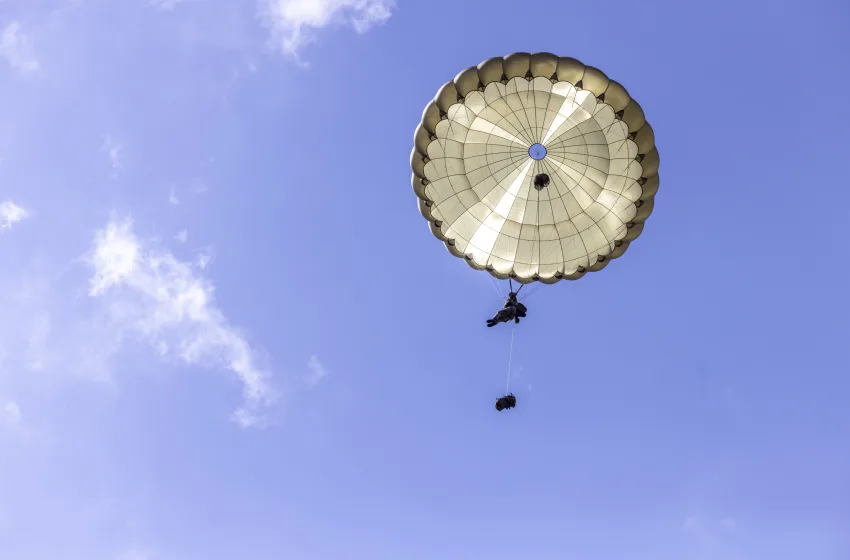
(171, 305)
(182, 236)
(172, 197)
(317, 371)
(11, 213)
(294, 23)
(199, 187)
(16, 47)
(113, 150)
(205, 259)
(12, 413)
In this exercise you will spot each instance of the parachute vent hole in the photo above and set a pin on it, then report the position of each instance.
(541, 181)
(579, 85)
(619, 114)
(601, 97)
(537, 151)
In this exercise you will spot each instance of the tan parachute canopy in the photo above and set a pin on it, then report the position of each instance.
(535, 167)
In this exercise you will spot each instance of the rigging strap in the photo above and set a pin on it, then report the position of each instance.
(510, 359)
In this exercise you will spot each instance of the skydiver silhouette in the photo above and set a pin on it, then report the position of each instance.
(513, 310)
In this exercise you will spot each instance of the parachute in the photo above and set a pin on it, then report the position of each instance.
(535, 168)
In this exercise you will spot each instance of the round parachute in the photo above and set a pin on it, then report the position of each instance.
(535, 167)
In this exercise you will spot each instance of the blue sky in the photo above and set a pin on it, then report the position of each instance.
(208, 352)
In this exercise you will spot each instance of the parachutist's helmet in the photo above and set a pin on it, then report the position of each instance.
(512, 295)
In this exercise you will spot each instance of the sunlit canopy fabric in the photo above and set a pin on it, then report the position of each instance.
(495, 128)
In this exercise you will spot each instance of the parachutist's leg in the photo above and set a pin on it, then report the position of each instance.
(497, 318)
(500, 317)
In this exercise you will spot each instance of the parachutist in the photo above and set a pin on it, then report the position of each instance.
(508, 401)
(546, 236)
(541, 181)
(513, 310)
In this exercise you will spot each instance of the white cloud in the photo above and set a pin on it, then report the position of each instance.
(172, 198)
(12, 413)
(205, 259)
(11, 213)
(16, 48)
(113, 150)
(182, 236)
(293, 23)
(171, 304)
(317, 369)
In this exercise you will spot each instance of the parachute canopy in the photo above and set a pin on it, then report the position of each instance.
(535, 167)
